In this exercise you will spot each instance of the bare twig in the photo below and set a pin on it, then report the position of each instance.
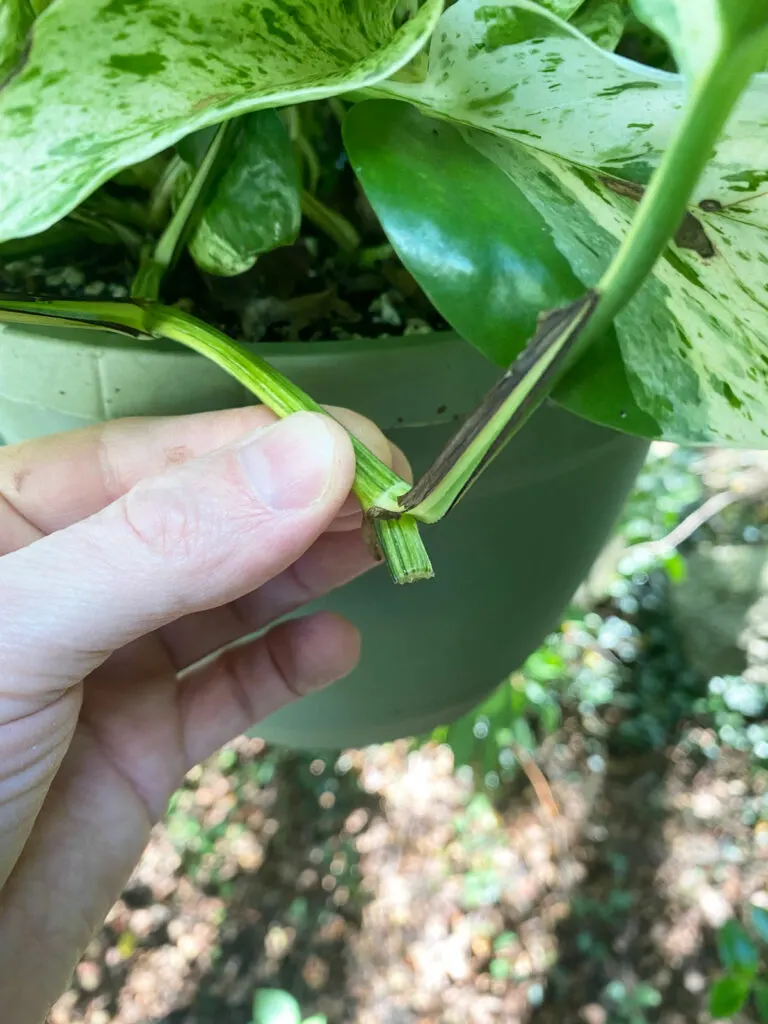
(538, 781)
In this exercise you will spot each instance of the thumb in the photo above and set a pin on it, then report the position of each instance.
(199, 536)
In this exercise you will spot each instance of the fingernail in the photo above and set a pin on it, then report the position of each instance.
(289, 465)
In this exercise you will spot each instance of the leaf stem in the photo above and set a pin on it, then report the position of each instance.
(665, 202)
(567, 332)
(162, 257)
(376, 486)
(331, 222)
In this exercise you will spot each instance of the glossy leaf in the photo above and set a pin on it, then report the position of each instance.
(482, 252)
(108, 83)
(467, 233)
(728, 996)
(256, 204)
(759, 918)
(16, 17)
(694, 342)
(736, 949)
(273, 1006)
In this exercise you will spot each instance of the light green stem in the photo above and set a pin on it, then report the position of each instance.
(332, 223)
(161, 258)
(530, 379)
(665, 203)
(376, 486)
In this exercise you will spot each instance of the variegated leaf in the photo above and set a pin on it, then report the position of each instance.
(515, 70)
(108, 83)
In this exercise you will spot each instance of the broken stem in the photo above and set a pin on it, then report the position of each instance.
(376, 486)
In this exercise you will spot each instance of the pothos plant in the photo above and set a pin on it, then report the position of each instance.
(594, 223)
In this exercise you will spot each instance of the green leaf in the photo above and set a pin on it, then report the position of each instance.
(759, 919)
(466, 232)
(273, 1006)
(461, 739)
(761, 999)
(16, 17)
(562, 8)
(256, 205)
(728, 996)
(694, 340)
(488, 258)
(515, 70)
(736, 949)
(602, 21)
(694, 343)
(109, 83)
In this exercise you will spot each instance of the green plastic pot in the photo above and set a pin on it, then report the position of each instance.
(508, 558)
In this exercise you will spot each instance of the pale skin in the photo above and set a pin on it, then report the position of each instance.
(128, 553)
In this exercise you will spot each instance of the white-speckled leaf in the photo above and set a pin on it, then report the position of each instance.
(111, 82)
(517, 71)
(256, 204)
(602, 21)
(16, 17)
(694, 339)
(562, 8)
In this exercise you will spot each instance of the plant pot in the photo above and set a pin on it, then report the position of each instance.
(508, 558)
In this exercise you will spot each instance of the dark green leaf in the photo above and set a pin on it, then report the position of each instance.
(255, 206)
(469, 236)
(728, 996)
(736, 949)
(478, 248)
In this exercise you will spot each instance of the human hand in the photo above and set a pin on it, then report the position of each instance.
(129, 552)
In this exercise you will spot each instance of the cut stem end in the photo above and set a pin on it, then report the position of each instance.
(403, 549)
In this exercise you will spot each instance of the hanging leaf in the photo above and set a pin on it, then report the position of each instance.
(515, 70)
(571, 124)
(256, 204)
(694, 340)
(484, 253)
(108, 83)
(481, 251)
